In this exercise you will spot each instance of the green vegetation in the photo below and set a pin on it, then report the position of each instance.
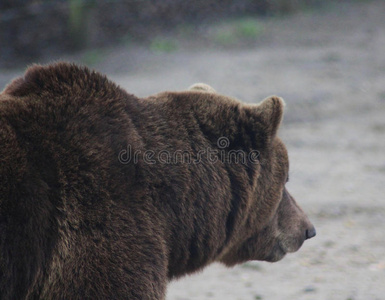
(235, 31)
(248, 28)
(77, 21)
(93, 56)
(163, 45)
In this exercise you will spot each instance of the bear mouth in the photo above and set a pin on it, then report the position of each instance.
(277, 253)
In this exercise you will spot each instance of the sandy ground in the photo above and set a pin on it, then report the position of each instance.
(329, 66)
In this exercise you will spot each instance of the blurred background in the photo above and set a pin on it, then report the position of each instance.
(325, 58)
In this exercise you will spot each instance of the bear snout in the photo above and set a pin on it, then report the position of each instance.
(295, 231)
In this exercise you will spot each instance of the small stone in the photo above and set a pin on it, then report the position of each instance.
(309, 289)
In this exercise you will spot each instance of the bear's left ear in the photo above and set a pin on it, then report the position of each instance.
(202, 87)
(269, 114)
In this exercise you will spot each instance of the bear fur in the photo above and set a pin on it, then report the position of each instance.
(95, 205)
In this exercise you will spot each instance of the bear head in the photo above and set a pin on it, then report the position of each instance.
(275, 224)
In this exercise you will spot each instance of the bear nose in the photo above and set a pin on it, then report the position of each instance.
(310, 233)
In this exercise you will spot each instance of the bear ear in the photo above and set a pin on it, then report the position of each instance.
(202, 87)
(269, 114)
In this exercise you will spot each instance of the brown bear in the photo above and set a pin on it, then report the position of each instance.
(107, 196)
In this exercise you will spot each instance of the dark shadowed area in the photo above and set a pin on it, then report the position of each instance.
(327, 61)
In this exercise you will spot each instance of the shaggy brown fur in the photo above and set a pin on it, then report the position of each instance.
(107, 196)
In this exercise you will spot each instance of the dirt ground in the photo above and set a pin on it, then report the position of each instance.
(329, 66)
